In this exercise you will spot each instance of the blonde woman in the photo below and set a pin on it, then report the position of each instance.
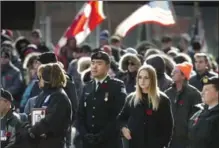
(146, 118)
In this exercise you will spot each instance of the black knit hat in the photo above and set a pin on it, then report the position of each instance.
(101, 55)
(6, 95)
(47, 57)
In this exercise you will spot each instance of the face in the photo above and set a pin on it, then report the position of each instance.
(72, 43)
(99, 68)
(177, 75)
(103, 42)
(200, 64)
(132, 67)
(143, 79)
(36, 64)
(209, 94)
(4, 60)
(166, 45)
(183, 44)
(4, 104)
(41, 82)
(35, 40)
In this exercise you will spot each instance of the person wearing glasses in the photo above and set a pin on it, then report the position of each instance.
(146, 118)
(129, 65)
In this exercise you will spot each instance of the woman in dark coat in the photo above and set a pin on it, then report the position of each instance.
(146, 118)
(50, 131)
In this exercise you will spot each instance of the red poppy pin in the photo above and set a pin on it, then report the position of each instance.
(181, 102)
(8, 134)
(104, 85)
(8, 77)
(196, 121)
(149, 112)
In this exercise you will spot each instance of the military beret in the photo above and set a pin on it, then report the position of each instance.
(101, 55)
(212, 80)
(6, 95)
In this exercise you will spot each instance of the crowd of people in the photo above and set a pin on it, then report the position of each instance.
(150, 96)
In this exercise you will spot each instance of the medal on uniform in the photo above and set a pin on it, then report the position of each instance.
(106, 96)
(85, 104)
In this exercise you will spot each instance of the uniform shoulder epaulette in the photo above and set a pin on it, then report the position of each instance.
(115, 80)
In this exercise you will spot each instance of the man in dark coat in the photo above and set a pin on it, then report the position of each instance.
(183, 98)
(204, 125)
(10, 121)
(202, 70)
(101, 101)
(164, 81)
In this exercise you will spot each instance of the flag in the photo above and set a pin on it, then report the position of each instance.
(87, 19)
(156, 11)
(198, 33)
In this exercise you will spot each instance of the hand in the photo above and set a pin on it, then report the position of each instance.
(126, 133)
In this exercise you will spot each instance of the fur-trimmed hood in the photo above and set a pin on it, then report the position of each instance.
(29, 58)
(83, 64)
(123, 62)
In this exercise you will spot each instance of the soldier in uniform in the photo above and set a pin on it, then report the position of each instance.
(10, 121)
(204, 124)
(101, 101)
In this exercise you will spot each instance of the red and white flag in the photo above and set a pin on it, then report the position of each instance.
(87, 19)
(156, 11)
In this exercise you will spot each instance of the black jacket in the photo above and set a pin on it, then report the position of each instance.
(196, 80)
(56, 122)
(183, 107)
(204, 129)
(98, 110)
(70, 90)
(10, 125)
(149, 129)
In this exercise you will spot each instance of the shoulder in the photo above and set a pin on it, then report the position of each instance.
(15, 119)
(164, 97)
(14, 69)
(170, 89)
(192, 89)
(211, 73)
(116, 82)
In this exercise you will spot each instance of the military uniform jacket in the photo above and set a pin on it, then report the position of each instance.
(204, 129)
(98, 110)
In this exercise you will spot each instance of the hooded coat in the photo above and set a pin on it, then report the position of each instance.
(129, 78)
(164, 81)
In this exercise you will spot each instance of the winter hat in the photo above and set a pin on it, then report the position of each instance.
(47, 57)
(185, 68)
(157, 62)
(104, 35)
(131, 50)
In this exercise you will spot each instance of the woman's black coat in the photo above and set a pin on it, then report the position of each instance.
(149, 129)
(56, 122)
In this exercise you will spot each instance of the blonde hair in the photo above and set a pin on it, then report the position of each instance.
(153, 90)
(56, 74)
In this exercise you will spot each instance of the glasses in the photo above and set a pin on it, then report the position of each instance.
(131, 63)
